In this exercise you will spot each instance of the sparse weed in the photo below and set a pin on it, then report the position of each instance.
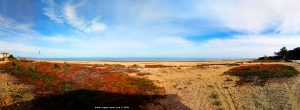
(55, 66)
(228, 79)
(214, 96)
(217, 103)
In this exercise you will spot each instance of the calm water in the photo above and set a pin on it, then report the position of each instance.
(138, 59)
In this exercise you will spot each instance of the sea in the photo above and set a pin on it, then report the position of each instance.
(138, 59)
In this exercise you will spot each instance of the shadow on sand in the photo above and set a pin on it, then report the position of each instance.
(90, 100)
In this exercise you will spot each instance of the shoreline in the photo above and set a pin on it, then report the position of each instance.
(138, 60)
(171, 63)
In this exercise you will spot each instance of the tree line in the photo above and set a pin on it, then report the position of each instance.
(284, 54)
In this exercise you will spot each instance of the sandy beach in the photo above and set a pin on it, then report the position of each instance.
(202, 85)
(143, 63)
(197, 85)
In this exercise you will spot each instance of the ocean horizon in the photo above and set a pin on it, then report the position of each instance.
(138, 59)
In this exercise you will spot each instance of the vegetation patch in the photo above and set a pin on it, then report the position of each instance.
(259, 74)
(51, 78)
(214, 96)
(142, 74)
(217, 103)
(203, 66)
(157, 66)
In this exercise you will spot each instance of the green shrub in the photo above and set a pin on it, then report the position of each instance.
(66, 69)
(259, 74)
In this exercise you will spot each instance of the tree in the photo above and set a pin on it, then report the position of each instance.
(11, 56)
(294, 54)
(283, 53)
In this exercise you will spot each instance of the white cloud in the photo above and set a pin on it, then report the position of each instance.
(67, 13)
(174, 41)
(52, 11)
(245, 46)
(9, 46)
(71, 16)
(27, 50)
(256, 16)
(11, 26)
(95, 26)
(56, 39)
(73, 19)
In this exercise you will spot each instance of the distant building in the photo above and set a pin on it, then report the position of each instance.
(5, 56)
(297, 61)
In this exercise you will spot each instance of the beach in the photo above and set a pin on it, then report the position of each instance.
(197, 82)
(202, 85)
(143, 63)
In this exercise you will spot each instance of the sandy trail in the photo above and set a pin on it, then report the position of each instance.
(295, 90)
(298, 97)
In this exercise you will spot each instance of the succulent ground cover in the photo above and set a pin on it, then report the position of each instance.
(54, 79)
(259, 74)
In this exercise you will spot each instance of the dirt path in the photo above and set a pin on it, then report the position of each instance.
(298, 97)
(11, 91)
(225, 97)
(295, 90)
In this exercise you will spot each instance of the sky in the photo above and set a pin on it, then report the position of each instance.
(148, 28)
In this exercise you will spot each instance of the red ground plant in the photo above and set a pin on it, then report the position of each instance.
(52, 78)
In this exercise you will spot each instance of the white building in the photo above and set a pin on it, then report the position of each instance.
(297, 61)
(4, 56)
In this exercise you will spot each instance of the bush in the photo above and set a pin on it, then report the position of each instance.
(259, 74)
(55, 66)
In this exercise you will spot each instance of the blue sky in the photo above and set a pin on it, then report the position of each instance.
(148, 28)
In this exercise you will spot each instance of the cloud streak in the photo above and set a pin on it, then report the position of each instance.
(67, 13)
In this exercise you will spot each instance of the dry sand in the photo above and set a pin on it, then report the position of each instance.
(206, 88)
(203, 88)
(142, 63)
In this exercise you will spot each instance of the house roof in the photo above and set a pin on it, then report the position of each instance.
(4, 53)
